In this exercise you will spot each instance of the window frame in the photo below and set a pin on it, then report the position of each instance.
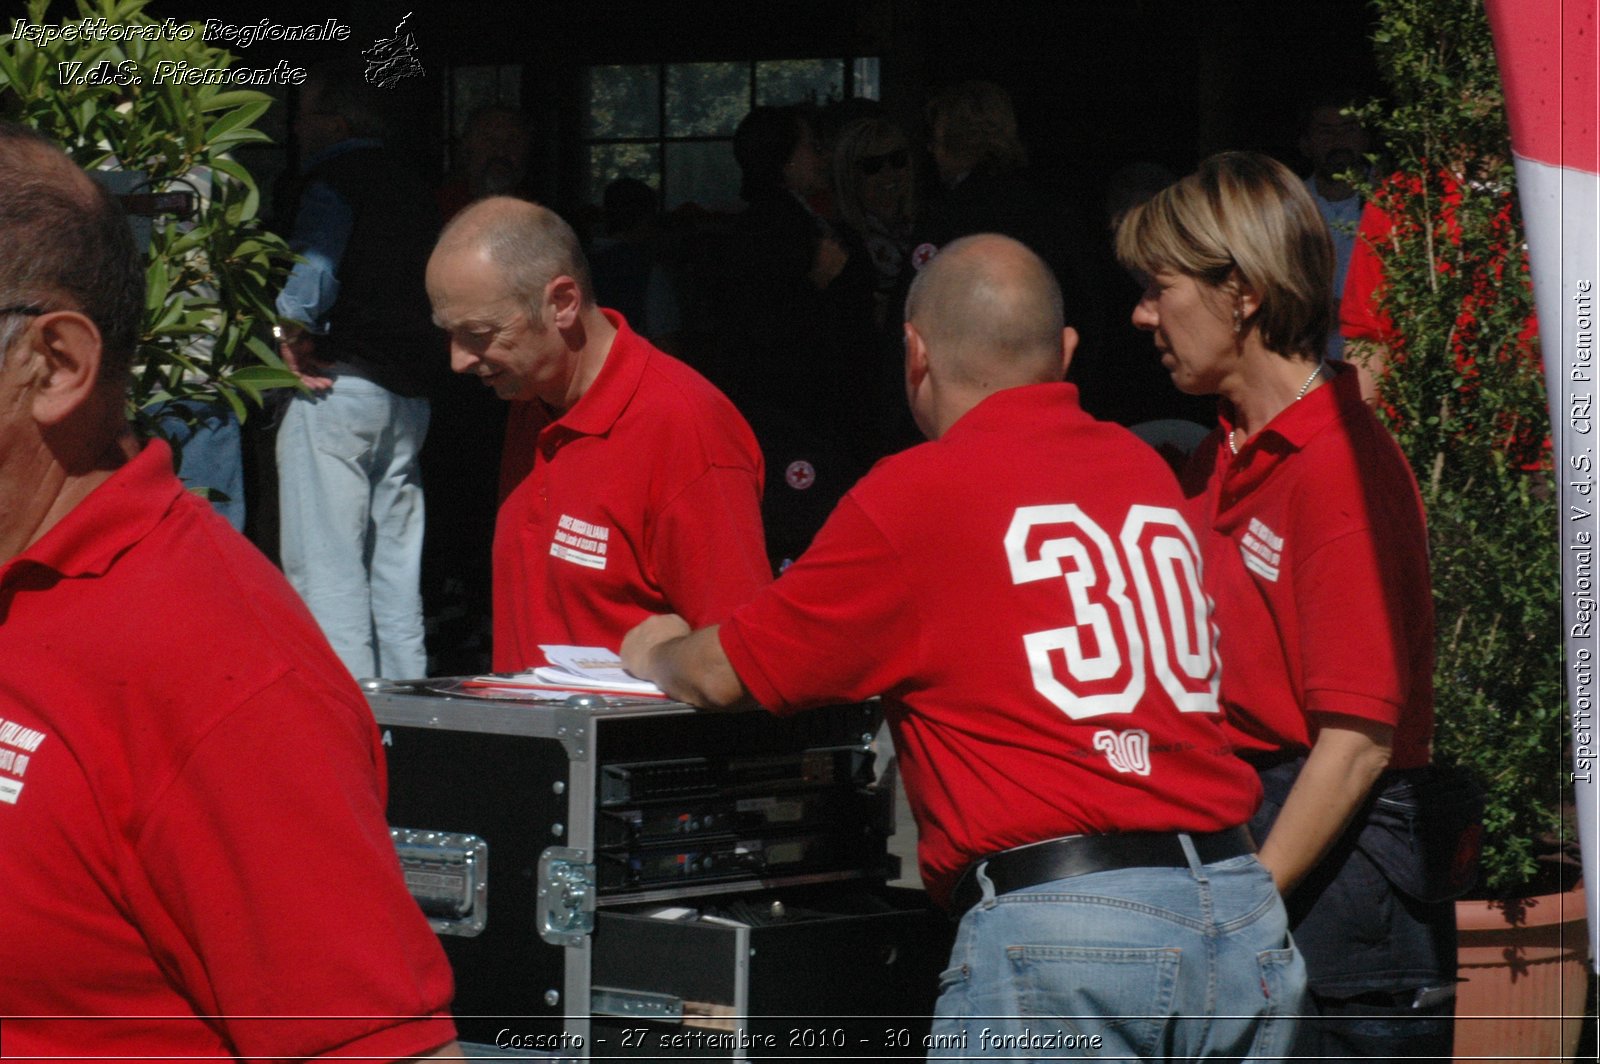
(856, 70)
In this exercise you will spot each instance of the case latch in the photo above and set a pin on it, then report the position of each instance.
(566, 896)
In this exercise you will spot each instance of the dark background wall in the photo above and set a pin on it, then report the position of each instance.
(1097, 83)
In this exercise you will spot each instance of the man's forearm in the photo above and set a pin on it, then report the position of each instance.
(691, 668)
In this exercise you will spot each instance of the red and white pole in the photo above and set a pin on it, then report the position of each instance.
(1548, 52)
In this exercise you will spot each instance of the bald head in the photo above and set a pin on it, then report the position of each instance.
(990, 313)
(529, 244)
(65, 245)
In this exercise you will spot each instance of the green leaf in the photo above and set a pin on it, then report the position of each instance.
(234, 98)
(185, 243)
(264, 351)
(156, 275)
(243, 115)
(235, 170)
(231, 397)
(170, 313)
(262, 377)
(229, 141)
(10, 76)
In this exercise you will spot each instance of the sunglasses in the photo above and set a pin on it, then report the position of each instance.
(871, 164)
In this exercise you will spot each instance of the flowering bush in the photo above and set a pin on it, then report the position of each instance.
(1464, 394)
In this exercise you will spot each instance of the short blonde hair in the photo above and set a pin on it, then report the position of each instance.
(856, 141)
(979, 126)
(1243, 217)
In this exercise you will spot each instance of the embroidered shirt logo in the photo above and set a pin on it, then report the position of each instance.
(580, 542)
(1262, 550)
(17, 746)
(1126, 751)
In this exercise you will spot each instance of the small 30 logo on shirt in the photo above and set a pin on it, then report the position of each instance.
(1126, 751)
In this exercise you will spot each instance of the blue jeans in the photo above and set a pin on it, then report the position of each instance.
(1176, 963)
(208, 452)
(350, 496)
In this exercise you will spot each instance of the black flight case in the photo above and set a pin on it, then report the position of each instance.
(616, 878)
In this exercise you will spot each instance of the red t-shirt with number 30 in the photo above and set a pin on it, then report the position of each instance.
(1026, 595)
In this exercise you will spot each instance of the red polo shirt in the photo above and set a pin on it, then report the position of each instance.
(1316, 555)
(643, 498)
(192, 839)
(1024, 592)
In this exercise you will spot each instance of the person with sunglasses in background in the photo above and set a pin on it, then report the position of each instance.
(875, 188)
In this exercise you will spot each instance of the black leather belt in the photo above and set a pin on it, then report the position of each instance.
(1078, 855)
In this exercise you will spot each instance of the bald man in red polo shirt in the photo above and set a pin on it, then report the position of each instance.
(630, 486)
(1024, 592)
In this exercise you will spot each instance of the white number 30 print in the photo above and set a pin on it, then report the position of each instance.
(1103, 650)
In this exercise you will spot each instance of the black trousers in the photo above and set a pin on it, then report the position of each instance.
(1377, 959)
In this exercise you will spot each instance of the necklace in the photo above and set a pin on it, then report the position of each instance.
(1301, 394)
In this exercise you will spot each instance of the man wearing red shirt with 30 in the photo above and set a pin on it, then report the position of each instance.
(630, 486)
(1025, 594)
(192, 837)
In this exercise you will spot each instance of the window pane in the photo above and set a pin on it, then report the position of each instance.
(473, 87)
(607, 162)
(702, 172)
(786, 81)
(624, 101)
(867, 83)
(706, 99)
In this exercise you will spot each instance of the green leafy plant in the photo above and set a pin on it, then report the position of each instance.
(212, 276)
(1464, 394)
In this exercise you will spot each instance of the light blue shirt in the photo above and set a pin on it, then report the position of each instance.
(1342, 217)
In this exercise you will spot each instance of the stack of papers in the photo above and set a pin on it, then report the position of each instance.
(578, 669)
